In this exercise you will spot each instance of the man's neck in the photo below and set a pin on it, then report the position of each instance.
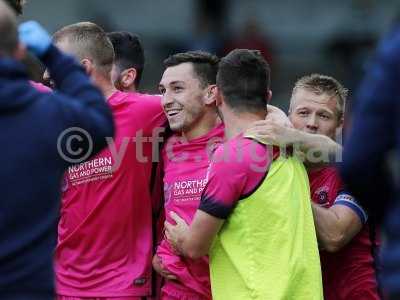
(105, 85)
(236, 123)
(108, 91)
(208, 122)
(131, 90)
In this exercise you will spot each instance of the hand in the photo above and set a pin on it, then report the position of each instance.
(176, 233)
(269, 132)
(34, 37)
(160, 269)
(277, 116)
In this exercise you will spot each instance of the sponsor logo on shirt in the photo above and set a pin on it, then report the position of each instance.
(187, 190)
(92, 170)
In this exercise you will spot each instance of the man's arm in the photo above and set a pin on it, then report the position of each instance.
(77, 103)
(194, 241)
(335, 226)
(161, 270)
(315, 149)
(318, 150)
(277, 116)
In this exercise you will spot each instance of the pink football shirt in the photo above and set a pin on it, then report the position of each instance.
(105, 240)
(185, 169)
(238, 168)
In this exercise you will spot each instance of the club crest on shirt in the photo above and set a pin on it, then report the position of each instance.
(321, 196)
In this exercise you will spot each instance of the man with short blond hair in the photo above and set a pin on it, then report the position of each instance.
(348, 242)
(89, 43)
(323, 84)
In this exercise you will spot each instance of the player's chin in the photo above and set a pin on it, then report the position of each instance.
(175, 125)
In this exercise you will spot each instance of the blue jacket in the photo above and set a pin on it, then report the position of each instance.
(374, 138)
(31, 167)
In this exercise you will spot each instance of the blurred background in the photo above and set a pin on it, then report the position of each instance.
(296, 37)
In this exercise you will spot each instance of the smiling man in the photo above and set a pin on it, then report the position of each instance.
(189, 94)
(188, 97)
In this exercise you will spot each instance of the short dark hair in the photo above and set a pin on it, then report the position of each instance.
(205, 65)
(8, 30)
(128, 52)
(244, 80)
(89, 40)
(16, 5)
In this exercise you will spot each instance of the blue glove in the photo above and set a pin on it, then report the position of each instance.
(35, 37)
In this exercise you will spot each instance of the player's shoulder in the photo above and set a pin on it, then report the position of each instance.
(326, 179)
(240, 153)
(140, 104)
(148, 102)
(240, 141)
(134, 97)
(148, 97)
(331, 174)
(328, 173)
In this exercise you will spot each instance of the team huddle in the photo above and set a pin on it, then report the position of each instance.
(202, 192)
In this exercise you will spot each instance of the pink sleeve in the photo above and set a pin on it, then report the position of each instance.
(236, 171)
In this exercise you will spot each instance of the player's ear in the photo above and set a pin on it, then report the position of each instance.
(211, 94)
(128, 78)
(87, 65)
